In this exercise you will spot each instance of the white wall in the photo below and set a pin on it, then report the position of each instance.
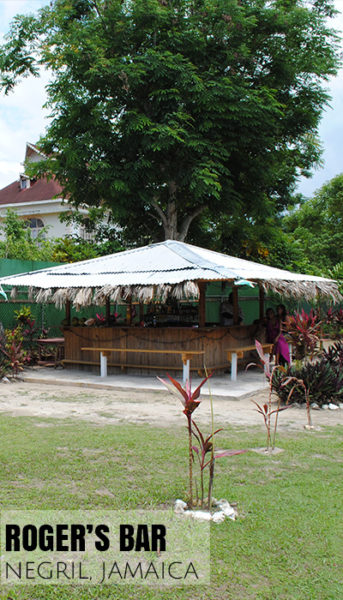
(48, 212)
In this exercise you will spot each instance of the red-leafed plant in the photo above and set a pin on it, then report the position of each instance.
(190, 402)
(11, 348)
(304, 329)
(100, 319)
(266, 410)
(204, 448)
(299, 383)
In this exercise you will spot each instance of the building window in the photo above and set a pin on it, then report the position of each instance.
(24, 182)
(88, 236)
(35, 225)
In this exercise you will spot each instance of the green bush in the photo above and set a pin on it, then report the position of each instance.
(323, 379)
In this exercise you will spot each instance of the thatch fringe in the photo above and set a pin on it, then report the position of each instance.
(127, 292)
(140, 293)
(187, 289)
(304, 289)
(86, 296)
(163, 291)
(62, 295)
(102, 294)
(146, 293)
(115, 294)
(44, 295)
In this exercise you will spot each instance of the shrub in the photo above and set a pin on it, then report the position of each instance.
(333, 323)
(322, 378)
(334, 355)
(12, 355)
(303, 330)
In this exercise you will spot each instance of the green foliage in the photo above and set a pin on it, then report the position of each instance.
(19, 243)
(163, 111)
(315, 229)
(323, 380)
(336, 272)
(69, 249)
(12, 355)
(333, 323)
(23, 314)
(104, 236)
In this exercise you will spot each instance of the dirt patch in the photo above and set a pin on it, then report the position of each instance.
(104, 492)
(144, 407)
(265, 452)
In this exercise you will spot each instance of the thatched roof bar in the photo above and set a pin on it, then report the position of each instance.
(157, 271)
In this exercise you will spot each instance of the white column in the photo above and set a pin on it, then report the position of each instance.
(233, 366)
(290, 353)
(103, 365)
(186, 370)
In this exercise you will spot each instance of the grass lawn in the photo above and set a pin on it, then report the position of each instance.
(288, 544)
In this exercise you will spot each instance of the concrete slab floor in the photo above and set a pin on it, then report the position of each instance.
(247, 384)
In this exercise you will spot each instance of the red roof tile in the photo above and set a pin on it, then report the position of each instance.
(37, 192)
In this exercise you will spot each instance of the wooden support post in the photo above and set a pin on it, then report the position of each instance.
(261, 300)
(202, 304)
(129, 311)
(68, 313)
(108, 311)
(235, 306)
(141, 312)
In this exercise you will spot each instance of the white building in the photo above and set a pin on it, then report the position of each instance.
(38, 202)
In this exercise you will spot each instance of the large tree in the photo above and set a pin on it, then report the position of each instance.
(316, 228)
(169, 110)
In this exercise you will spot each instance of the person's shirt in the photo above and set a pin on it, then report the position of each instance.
(226, 311)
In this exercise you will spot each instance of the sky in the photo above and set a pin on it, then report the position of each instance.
(23, 118)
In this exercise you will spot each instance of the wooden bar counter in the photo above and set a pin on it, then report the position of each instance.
(213, 341)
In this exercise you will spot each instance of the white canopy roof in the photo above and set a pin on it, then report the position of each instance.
(166, 265)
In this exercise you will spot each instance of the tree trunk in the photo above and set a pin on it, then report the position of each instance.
(170, 229)
(169, 217)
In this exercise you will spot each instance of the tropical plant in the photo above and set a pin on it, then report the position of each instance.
(336, 272)
(23, 314)
(100, 319)
(266, 409)
(190, 401)
(303, 330)
(334, 355)
(322, 378)
(205, 446)
(11, 348)
(333, 323)
(300, 383)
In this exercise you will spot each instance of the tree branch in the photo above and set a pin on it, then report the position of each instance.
(160, 212)
(188, 220)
